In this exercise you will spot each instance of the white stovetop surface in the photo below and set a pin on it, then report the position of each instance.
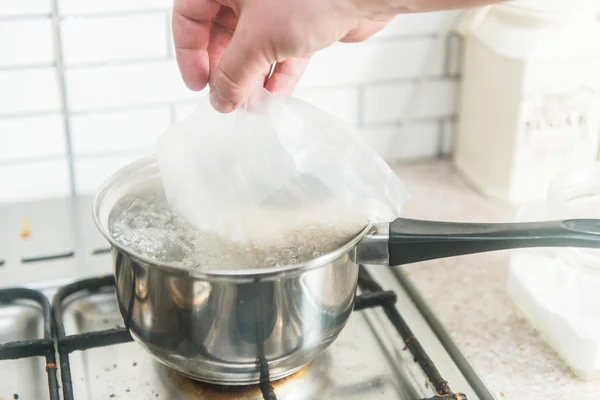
(469, 295)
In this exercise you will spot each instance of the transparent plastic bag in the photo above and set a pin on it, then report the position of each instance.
(272, 170)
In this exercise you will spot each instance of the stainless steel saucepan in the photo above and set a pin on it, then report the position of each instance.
(223, 326)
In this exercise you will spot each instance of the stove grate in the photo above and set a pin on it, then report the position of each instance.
(68, 344)
(367, 284)
(372, 295)
(33, 348)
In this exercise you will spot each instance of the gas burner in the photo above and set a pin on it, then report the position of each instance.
(305, 380)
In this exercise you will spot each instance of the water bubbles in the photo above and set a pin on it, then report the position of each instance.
(145, 224)
(157, 220)
(138, 222)
(188, 261)
(116, 229)
(270, 262)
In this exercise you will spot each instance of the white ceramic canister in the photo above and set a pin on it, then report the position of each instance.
(529, 102)
(558, 289)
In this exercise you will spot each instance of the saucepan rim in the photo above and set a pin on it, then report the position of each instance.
(244, 273)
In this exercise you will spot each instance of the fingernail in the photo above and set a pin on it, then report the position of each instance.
(220, 104)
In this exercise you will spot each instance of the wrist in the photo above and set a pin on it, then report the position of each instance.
(383, 8)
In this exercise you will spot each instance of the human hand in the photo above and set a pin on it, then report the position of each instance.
(231, 44)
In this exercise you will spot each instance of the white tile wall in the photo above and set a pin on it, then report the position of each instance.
(123, 89)
(343, 102)
(420, 141)
(33, 180)
(95, 88)
(417, 24)
(118, 132)
(24, 7)
(105, 39)
(390, 102)
(69, 7)
(369, 62)
(169, 25)
(90, 172)
(26, 42)
(34, 137)
(28, 91)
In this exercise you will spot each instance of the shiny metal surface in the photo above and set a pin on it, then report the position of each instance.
(374, 247)
(220, 327)
(220, 330)
(128, 372)
(63, 243)
(22, 321)
(366, 362)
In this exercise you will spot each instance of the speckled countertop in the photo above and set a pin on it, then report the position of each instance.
(469, 295)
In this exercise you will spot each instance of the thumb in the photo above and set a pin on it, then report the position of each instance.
(243, 64)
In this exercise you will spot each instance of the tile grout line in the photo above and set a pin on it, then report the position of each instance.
(26, 114)
(172, 114)
(400, 122)
(441, 137)
(168, 33)
(114, 13)
(28, 160)
(113, 109)
(117, 62)
(25, 67)
(60, 71)
(138, 152)
(402, 37)
(83, 15)
(361, 106)
(21, 17)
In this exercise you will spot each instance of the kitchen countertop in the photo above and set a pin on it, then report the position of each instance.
(469, 295)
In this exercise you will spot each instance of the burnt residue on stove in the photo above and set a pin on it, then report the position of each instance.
(201, 391)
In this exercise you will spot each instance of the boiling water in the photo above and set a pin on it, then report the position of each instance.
(145, 224)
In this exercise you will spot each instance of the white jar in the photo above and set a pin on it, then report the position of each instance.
(558, 289)
(529, 103)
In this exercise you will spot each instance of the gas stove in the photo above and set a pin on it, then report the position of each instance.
(62, 337)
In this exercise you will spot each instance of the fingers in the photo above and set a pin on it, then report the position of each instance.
(191, 34)
(286, 75)
(221, 32)
(244, 63)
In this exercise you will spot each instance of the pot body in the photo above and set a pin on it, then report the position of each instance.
(223, 326)
(221, 330)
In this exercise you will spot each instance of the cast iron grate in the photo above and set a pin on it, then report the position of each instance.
(68, 344)
(372, 289)
(372, 295)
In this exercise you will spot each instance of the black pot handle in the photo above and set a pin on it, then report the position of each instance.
(416, 240)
